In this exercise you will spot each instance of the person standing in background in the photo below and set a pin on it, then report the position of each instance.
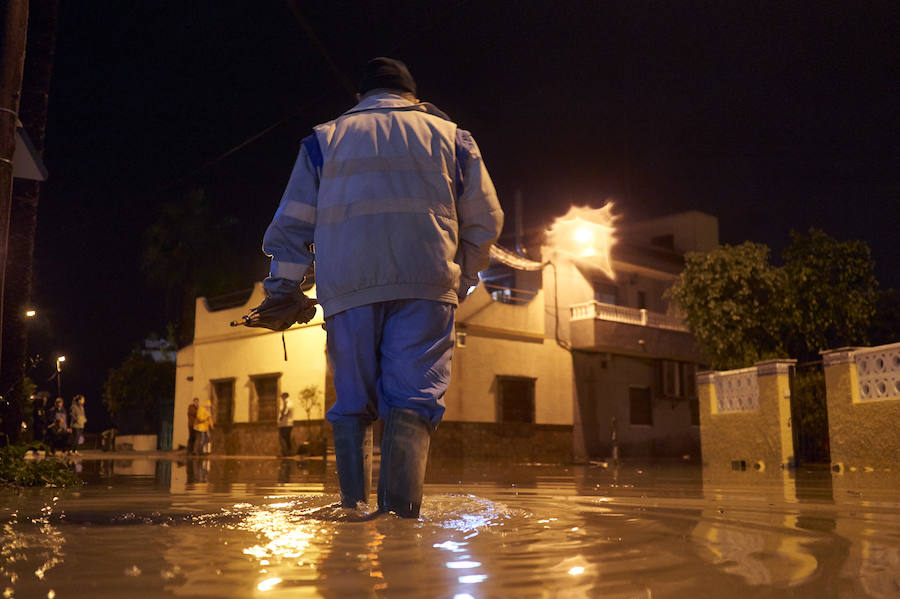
(78, 420)
(202, 426)
(192, 420)
(59, 433)
(285, 424)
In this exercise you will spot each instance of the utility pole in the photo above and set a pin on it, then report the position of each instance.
(12, 54)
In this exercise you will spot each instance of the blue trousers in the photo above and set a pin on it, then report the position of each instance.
(391, 355)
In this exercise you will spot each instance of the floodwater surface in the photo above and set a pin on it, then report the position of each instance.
(228, 527)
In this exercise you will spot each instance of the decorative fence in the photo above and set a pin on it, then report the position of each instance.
(878, 372)
(745, 415)
(737, 390)
(863, 398)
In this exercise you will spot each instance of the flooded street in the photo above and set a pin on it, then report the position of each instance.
(228, 527)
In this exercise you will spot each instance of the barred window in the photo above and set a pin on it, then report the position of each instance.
(265, 391)
(223, 401)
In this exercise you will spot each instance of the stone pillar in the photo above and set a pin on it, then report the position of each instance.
(745, 418)
(863, 400)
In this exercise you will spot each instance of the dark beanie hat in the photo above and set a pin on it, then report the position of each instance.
(387, 73)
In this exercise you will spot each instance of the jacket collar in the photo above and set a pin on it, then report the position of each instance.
(389, 101)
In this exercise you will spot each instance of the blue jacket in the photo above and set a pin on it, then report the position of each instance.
(397, 201)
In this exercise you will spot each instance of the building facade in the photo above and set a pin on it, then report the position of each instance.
(555, 359)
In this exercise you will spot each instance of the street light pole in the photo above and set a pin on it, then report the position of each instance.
(29, 316)
(59, 362)
(12, 64)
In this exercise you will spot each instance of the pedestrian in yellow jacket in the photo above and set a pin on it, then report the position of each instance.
(203, 424)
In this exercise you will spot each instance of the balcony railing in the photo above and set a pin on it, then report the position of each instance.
(509, 295)
(639, 317)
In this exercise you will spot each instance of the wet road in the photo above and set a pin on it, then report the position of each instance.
(265, 528)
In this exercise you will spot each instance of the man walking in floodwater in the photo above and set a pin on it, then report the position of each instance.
(395, 205)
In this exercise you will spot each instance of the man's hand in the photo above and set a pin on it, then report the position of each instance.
(465, 283)
(279, 312)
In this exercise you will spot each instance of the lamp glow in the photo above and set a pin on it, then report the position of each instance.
(587, 235)
(583, 235)
(30, 313)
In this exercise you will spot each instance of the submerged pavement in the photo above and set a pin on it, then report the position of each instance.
(162, 525)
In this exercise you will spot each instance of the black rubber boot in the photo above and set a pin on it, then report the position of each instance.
(353, 454)
(404, 456)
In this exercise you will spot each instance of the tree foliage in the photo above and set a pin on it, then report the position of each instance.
(741, 308)
(186, 254)
(831, 292)
(886, 323)
(733, 304)
(310, 398)
(139, 385)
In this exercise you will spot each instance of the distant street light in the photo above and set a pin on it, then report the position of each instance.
(59, 361)
(29, 315)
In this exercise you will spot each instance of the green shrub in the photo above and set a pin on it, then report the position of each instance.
(47, 472)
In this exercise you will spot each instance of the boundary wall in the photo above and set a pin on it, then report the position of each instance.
(745, 417)
(863, 399)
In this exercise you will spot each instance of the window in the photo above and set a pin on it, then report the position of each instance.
(670, 378)
(677, 379)
(223, 401)
(606, 293)
(265, 388)
(515, 399)
(642, 300)
(688, 379)
(641, 406)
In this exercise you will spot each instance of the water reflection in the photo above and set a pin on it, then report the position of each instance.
(30, 544)
(220, 528)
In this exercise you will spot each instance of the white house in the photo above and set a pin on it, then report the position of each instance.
(555, 359)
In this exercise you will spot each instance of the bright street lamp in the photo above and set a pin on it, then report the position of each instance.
(59, 361)
(30, 313)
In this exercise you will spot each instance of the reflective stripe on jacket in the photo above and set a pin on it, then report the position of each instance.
(398, 203)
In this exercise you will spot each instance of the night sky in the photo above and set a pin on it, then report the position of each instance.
(771, 116)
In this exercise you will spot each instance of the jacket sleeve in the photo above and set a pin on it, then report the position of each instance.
(288, 239)
(477, 208)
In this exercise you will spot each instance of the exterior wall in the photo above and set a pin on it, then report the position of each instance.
(603, 388)
(184, 389)
(693, 231)
(863, 402)
(500, 340)
(745, 417)
(509, 443)
(221, 352)
(506, 340)
(261, 438)
(564, 285)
